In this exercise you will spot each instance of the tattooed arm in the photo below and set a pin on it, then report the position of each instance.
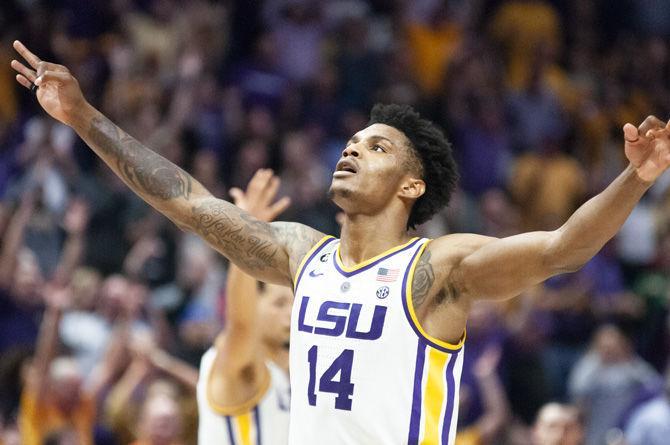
(269, 252)
(464, 268)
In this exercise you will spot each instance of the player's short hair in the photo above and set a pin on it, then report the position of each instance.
(434, 160)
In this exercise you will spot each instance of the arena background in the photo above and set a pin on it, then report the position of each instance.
(532, 93)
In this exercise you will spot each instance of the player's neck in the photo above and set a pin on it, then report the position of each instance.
(364, 237)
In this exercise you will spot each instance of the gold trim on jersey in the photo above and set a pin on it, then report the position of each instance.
(244, 428)
(355, 267)
(414, 319)
(241, 408)
(435, 394)
(309, 253)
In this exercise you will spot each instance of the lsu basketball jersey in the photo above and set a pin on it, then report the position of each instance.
(265, 422)
(363, 371)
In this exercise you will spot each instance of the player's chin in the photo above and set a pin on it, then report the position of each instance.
(340, 188)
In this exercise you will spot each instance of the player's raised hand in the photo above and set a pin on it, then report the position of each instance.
(58, 91)
(648, 147)
(259, 196)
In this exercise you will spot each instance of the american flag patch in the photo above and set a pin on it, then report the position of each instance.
(387, 275)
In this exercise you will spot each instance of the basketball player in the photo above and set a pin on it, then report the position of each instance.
(243, 387)
(378, 321)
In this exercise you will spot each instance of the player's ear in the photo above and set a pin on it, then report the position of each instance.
(412, 188)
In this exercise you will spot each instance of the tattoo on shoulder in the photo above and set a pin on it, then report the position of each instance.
(297, 238)
(424, 277)
(144, 169)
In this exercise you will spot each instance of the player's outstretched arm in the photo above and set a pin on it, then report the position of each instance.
(268, 252)
(504, 268)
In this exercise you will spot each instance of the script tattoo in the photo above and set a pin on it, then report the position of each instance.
(423, 280)
(244, 240)
(143, 169)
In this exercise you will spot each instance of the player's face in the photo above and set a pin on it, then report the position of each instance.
(371, 170)
(275, 314)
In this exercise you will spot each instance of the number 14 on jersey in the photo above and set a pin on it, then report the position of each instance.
(328, 383)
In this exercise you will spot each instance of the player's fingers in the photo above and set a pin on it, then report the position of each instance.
(278, 207)
(29, 57)
(20, 78)
(23, 70)
(658, 133)
(650, 123)
(236, 194)
(262, 188)
(52, 76)
(631, 133)
(271, 188)
(43, 67)
(258, 181)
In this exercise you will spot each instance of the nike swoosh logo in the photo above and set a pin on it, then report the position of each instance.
(314, 273)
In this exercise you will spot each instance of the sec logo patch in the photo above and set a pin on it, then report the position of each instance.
(383, 292)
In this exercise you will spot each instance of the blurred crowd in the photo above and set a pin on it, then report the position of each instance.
(106, 307)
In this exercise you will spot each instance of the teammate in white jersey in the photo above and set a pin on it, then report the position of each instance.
(243, 388)
(394, 174)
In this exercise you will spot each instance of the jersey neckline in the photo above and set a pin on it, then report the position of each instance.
(371, 262)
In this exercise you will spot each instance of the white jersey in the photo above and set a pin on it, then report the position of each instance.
(261, 422)
(363, 371)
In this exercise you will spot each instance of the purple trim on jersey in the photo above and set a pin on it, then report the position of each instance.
(257, 416)
(309, 260)
(374, 263)
(403, 295)
(231, 436)
(451, 388)
(415, 416)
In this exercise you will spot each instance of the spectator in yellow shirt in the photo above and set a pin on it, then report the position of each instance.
(522, 27)
(433, 45)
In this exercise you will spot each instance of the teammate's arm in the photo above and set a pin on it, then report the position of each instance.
(503, 268)
(267, 251)
(239, 368)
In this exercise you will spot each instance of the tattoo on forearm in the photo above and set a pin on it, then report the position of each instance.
(244, 240)
(144, 170)
(254, 245)
(423, 280)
